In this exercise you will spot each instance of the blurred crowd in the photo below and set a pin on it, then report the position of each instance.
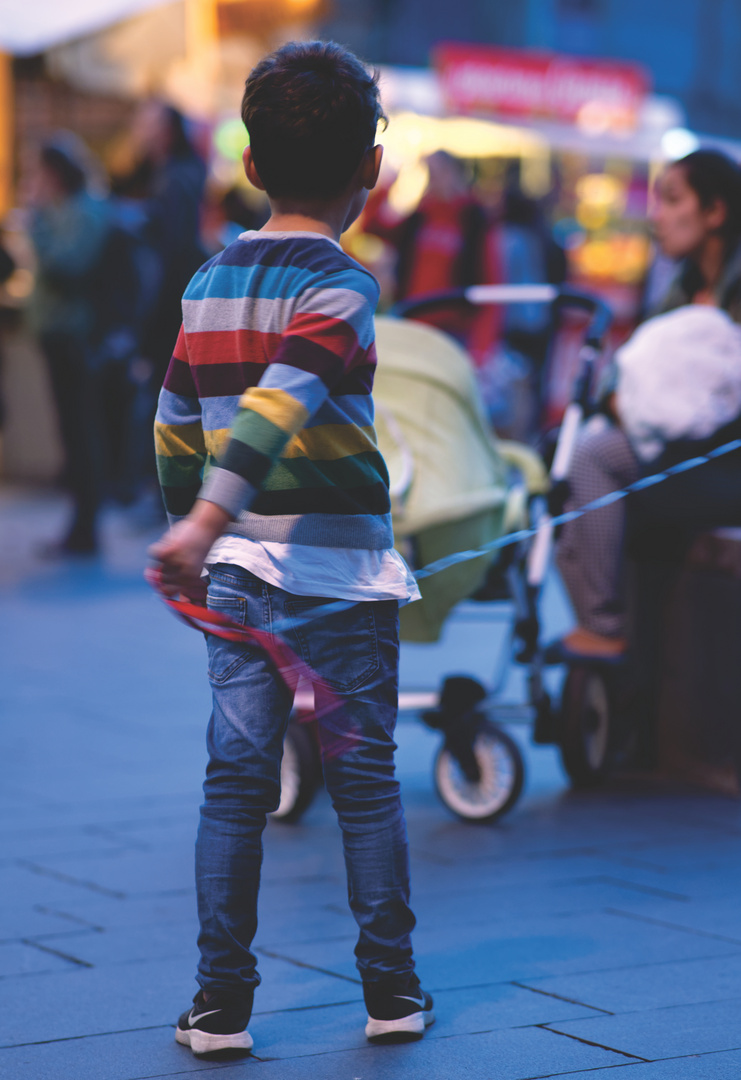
(114, 250)
(113, 255)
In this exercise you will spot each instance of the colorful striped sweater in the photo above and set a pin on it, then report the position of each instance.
(267, 398)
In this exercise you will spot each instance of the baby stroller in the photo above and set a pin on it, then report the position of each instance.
(455, 488)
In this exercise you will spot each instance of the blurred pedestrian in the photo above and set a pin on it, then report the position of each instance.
(697, 221)
(510, 375)
(158, 200)
(7, 268)
(122, 298)
(530, 256)
(69, 228)
(239, 216)
(172, 179)
(441, 245)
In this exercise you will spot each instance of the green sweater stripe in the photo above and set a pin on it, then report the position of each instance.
(180, 470)
(259, 433)
(356, 470)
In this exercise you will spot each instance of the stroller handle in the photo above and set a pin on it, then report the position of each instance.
(601, 315)
(561, 297)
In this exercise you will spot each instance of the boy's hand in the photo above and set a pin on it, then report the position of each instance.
(182, 551)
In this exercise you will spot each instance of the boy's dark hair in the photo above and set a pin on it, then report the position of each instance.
(311, 109)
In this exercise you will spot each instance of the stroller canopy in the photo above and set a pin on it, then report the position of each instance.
(448, 480)
(443, 462)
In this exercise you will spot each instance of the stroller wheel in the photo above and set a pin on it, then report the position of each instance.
(586, 726)
(501, 775)
(300, 774)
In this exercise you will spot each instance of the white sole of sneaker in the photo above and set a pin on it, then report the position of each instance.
(203, 1042)
(411, 1027)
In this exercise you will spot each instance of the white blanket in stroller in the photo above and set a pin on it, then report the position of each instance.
(679, 377)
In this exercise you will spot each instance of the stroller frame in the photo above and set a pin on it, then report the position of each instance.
(476, 751)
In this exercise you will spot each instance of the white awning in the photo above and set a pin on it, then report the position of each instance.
(32, 26)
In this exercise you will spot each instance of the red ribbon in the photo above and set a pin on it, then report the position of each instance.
(336, 737)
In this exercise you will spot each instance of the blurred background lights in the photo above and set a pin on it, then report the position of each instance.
(678, 142)
(411, 138)
(599, 117)
(600, 197)
(601, 189)
(230, 139)
(408, 188)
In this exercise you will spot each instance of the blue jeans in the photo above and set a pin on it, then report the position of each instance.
(357, 653)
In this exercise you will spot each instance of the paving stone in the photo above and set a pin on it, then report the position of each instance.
(279, 1034)
(36, 810)
(125, 872)
(91, 1001)
(682, 854)
(147, 1053)
(490, 901)
(307, 911)
(522, 949)
(503, 1055)
(39, 920)
(668, 1032)
(127, 945)
(717, 918)
(719, 1066)
(30, 883)
(466, 1011)
(590, 825)
(59, 843)
(134, 873)
(99, 795)
(17, 958)
(155, 940)
(509, 1055)
(650, 986)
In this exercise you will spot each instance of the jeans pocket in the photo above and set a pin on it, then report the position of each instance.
(341, 648)
(225, 657)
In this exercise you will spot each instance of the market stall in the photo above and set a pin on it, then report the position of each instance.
(584, 138)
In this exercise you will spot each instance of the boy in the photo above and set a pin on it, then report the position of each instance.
(270, 389)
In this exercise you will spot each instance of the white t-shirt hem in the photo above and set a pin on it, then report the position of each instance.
(339, 573)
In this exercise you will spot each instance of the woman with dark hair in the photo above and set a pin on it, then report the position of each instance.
(697, 219)
(692, 364)
(69, 228)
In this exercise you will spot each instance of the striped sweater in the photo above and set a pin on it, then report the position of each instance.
(267, 399)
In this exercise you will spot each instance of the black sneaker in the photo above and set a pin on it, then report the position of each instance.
(217, 1024)
(398, 1009)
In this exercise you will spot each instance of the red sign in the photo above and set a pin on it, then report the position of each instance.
(509, 82)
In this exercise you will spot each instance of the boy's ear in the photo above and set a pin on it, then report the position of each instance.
(371, 167)
(250, 171)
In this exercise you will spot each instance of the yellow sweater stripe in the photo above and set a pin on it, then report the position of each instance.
(174, 440)
(330, 442)
(277, 406)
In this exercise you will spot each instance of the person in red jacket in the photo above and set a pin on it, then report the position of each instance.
(443, 244)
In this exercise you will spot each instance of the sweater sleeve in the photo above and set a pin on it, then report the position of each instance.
(330, 333)
(178, 436)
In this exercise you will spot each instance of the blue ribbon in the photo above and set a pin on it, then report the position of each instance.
(525, 534)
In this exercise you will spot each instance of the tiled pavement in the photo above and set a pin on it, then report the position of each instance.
(583, 933)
